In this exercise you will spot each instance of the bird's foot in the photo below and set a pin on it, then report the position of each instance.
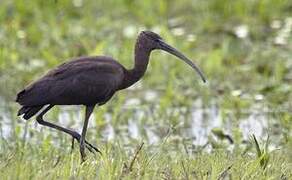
(88, 145)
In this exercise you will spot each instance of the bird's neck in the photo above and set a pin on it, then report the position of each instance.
(142, 53)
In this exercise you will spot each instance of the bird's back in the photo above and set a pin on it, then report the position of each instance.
(85, 80)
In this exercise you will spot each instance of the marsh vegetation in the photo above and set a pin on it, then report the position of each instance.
(238, 125)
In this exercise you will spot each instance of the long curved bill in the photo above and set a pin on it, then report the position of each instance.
(164, 46)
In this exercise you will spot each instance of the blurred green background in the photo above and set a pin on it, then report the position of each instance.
(244, 47)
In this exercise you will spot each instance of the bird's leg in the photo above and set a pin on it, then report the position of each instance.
(88, 112)
(73, 133)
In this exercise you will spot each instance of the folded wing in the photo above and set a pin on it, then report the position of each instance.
(81, 81)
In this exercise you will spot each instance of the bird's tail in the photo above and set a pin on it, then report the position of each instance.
(28, 111)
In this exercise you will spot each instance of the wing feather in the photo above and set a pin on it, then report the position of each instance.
(76, 82)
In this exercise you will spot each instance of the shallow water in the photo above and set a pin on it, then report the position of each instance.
(143, 124)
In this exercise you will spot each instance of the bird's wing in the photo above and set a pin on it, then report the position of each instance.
(74, 82)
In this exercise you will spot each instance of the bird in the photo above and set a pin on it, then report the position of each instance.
(90, 81)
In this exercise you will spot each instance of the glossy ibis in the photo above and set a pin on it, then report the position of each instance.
(89, 81)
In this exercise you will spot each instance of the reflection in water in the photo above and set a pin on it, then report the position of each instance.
(151, 135)
(151, 96)
(203, 121)
(6, 126)
(108, 133)
(5, 120)
(197, 127)
(256, 124)
(66, 118)
(143, 123)
(133, 129)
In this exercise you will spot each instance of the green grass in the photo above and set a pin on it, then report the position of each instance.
(159, 162)
(249, 78)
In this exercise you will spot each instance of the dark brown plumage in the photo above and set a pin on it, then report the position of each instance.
(89, 81)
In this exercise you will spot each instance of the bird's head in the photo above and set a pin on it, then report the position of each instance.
(153, 41)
